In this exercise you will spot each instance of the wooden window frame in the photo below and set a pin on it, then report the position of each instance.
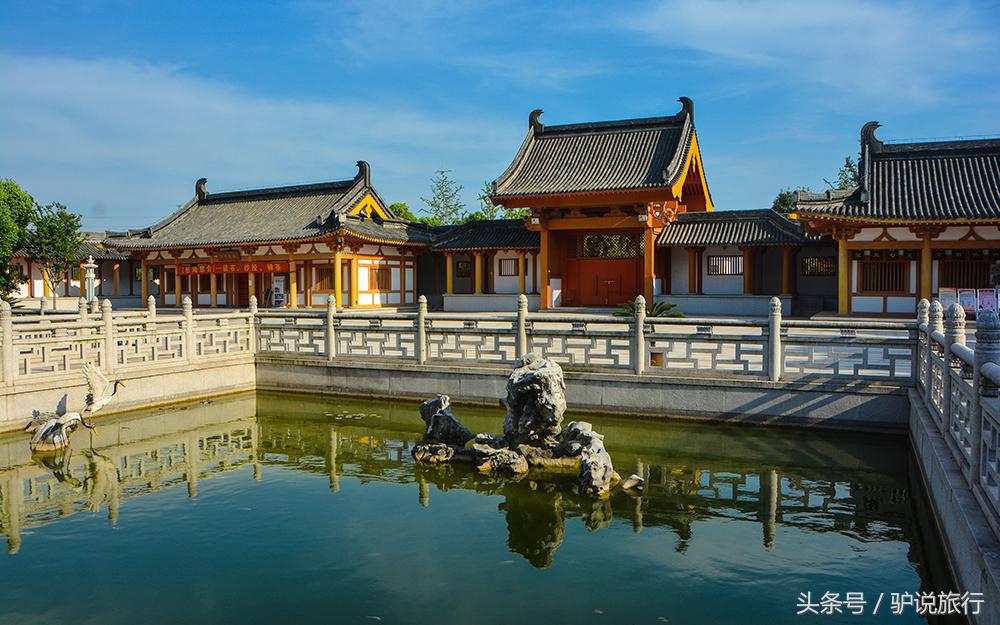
(905, 263)
(719, 270)
(818, 261)
(507, 267)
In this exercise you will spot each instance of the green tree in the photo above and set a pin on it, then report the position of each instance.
(847, 177)
(445, 207)
(487, 209)
(784, 202)
(53, 241)
(402, 211)
(15, 213)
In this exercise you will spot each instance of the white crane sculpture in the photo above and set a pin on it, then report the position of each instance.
(51, 431)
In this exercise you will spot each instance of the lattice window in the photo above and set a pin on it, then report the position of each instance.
(814, 266)
(883, 276)
(725, 265)
(508, 266)
(965, 274)
(381, 278)
(205, 282)
(325, 278)
(609, 246)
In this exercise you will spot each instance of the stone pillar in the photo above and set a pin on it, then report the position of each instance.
(213, 290)
(521, 347)
(116, 267)
(479, 273)
(987, 351)
(151, 306)
(543, 270)
(449, 274)
(954, 334)
(293, 285)
(520, 272)
(95, 306)
(935, 323)
(252, 321)
(145, 279)
(923, 311)
(109, 336)
(331, 328)
(639, 336)
(82, 308)
(338, 272)
(189, 347)
(421, 328)
(774, 356)
(787, 265)
(649, 264)
(8, 366)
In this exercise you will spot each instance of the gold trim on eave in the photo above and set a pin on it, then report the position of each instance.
(368, 205)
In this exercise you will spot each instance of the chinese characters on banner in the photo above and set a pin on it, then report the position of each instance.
(235, 267)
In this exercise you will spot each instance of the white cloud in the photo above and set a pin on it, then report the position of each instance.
(893, 51)
(127, 140)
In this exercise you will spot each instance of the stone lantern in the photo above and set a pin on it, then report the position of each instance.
(88, 277)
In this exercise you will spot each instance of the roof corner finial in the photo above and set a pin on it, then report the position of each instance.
(364, 173)
(687, 107)
(533, 120)
(199, 189)
(868, 134)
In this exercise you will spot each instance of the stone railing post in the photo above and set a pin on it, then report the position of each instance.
(954, 334)
(923, 311)
(421, 326)
(934, 324)
(7, 365)
(331, 328)
(774, 358)
(187, 309)
(151, 306)
(923, 319)
(252, 322)
(43, 303)
(987, 350)
(639, 336)
(109, 336)
(521, 339)
(95, 306)
(82, 312)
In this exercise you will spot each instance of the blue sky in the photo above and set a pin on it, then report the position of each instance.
(116, 108)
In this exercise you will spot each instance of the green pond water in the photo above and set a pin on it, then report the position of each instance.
(279, 509)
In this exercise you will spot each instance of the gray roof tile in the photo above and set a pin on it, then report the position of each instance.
(732, 227)
(601, 156)
(488, 234)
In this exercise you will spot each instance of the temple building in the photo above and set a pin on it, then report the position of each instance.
(117, 276)
(924, 217)
(288, 246)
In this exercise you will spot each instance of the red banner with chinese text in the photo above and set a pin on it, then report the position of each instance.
(235, 267)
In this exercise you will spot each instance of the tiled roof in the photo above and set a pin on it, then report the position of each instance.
(734, 227)
(931, 181)
(602, 156)
(507, 234)
(91, 246)
(273, 214)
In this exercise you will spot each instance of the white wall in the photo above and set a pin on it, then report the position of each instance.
(506, 284)
(678, 270)
(720, 285)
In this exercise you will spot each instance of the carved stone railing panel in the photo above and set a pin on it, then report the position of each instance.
(58, 349)
(960, 429)
(291, 335)
(922, 362)
(989, 471)
(375, 340)
(937, 388)
(856, 358)
(583, 346)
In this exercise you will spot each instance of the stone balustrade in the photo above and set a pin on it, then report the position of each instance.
(772, 349)
(959, 387)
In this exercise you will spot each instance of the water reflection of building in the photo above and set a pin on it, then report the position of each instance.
(153, 452)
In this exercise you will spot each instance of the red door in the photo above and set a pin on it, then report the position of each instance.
(601, 281)
(242, 290)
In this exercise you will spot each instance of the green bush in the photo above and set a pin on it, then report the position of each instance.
(657, 309)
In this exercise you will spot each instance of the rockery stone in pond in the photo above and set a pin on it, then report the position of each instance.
(442, 426)
(535, 402)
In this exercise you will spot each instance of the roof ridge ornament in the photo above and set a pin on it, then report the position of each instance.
(199, 189)
(534, 122)
(687, 108)
(870, 145)
(364, 173)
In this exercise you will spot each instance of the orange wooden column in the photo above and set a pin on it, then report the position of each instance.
(748, 270)
(693, 270)
(787, 262)
(649, 265)
(543, 270)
